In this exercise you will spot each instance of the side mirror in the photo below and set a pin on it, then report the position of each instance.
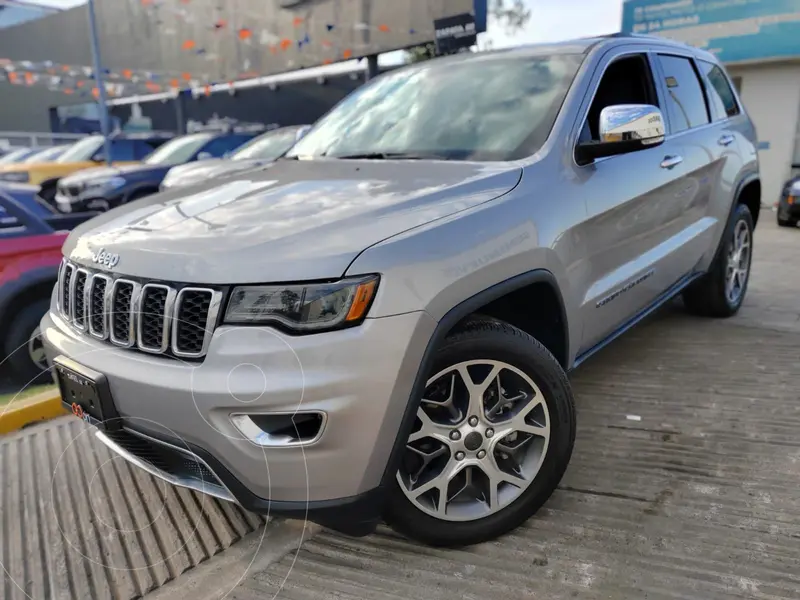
(99, 158)
(624, 128)
(204, 156)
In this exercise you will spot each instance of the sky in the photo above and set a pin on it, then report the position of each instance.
(557, 20)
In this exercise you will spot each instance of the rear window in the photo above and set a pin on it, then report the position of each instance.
(720, 93)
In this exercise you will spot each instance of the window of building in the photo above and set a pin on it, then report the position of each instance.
(720, 94)
(686, 104)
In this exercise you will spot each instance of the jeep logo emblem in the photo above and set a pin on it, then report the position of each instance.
(105, 258)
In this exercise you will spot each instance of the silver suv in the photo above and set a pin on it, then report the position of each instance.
(379, 325)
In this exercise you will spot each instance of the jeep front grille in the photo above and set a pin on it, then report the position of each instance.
(153, 317)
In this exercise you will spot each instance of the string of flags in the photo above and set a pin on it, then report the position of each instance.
(79, 79)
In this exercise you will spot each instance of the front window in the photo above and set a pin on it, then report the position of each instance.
(83, 150)
(179, 150)
(268, 146)
(489, 107)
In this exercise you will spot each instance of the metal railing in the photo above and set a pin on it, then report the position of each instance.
(29, 139)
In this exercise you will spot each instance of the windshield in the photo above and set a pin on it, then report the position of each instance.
(15, 156)
(179, 150)
(82, 151)
(483, 108)
(44, 155)
(268, 146)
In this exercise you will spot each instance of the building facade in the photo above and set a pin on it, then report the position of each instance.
(759, 43)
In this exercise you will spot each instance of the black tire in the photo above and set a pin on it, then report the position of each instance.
(787, 222)
(23, 369)
(485, 338)
(706, 297)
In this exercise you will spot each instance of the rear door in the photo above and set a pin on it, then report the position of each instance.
(727, 140)
(704, 150)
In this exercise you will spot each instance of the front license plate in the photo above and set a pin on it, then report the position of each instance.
(85, 394)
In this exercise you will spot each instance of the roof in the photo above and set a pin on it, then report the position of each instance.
(579, 46)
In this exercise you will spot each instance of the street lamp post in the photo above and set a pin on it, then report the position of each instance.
(99, 81)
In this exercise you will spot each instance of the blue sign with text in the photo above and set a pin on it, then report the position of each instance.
(734, 30)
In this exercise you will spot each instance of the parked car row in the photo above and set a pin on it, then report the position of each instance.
(46, 192)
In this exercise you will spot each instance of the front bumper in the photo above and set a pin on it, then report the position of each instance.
(360, 378)
(87, 202)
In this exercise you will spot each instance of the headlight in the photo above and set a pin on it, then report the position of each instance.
(106, 184)
(18, 176)
(304, 308)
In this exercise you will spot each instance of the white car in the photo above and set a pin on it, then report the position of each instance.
(259, 151)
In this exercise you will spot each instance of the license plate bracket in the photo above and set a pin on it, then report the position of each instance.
(86, 394)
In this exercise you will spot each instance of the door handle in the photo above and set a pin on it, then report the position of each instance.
(670, 162)
(726, 140)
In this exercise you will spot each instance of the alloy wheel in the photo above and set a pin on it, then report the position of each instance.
(482, 433)
(738, 265)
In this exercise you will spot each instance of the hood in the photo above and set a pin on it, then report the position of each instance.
(298, 220)
(197, 172)
(95, 173)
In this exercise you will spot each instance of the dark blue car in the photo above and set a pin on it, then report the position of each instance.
(103, 188)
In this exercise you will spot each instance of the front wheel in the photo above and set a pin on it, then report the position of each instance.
(493, 436)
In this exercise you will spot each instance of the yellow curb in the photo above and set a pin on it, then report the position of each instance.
(19, 413)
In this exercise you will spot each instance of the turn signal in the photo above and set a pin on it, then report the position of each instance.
(361, 300)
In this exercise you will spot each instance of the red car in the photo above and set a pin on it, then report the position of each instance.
(31, 236)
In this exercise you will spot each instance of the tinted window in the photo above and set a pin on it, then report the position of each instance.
(719, 92)
(178, 150)
(122, 150)
(219, 146)
(686, 105)
(481, 107)
(268, 146)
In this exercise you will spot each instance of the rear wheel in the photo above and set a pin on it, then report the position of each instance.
(23, 345)
(494, 433)
(721, 291)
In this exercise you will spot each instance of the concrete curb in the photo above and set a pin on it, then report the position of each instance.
(20, 413)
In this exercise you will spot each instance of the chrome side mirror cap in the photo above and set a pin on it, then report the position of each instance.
(641, 123)
(624, 128)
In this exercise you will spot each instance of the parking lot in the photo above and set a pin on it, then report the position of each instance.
(683, 484)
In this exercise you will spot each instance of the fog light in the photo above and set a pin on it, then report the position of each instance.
(280, 430)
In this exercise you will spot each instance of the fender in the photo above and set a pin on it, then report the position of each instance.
(746, 179)
(445, 325)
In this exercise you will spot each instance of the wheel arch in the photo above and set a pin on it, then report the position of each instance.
(473, 305)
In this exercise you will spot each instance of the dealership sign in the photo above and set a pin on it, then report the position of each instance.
(734, 30)
(455, 33)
